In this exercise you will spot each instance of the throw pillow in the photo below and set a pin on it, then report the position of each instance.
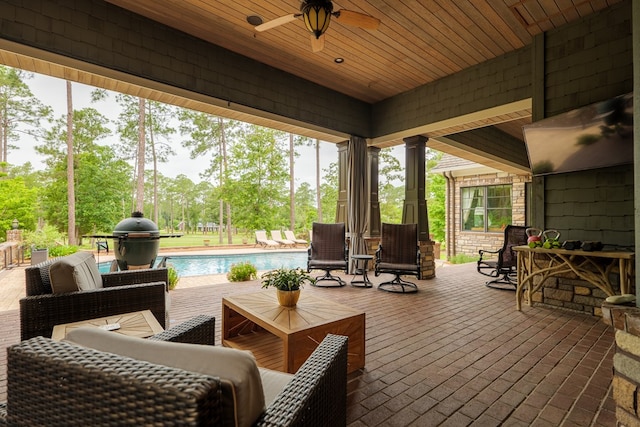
(75, 272)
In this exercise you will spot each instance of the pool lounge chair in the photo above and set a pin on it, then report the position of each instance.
(277, 236)
(263, 241)
(289, 235)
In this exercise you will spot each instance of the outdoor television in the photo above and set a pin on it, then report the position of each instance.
(596, 136)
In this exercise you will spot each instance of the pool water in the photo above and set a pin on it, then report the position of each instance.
(200, 265)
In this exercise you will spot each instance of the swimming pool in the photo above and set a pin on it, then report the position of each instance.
(200, 265)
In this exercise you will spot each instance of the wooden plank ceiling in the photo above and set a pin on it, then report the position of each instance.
(417, 41)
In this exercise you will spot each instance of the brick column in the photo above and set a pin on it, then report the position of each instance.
(14, 235)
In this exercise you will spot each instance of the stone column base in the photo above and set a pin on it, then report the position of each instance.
(626, 362)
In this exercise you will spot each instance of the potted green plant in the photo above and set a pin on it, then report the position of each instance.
(288, 282)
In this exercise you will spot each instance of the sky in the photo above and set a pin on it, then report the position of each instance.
(51, 91)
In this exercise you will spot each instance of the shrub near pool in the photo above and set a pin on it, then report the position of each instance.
(174, 278)
(242, 272)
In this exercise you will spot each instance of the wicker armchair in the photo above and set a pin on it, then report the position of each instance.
(59, 384)
(122, 292)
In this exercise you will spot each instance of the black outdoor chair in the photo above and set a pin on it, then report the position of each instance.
(328, 251)
(502, 264)
(399, 254)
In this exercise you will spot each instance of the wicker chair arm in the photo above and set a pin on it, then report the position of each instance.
(37, 278)
(197, 330)
(59, 384)
(40, 313)
(132, 277)
(317, 394)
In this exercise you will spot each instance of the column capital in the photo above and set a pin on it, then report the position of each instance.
(416, 139)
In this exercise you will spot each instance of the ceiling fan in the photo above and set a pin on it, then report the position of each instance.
(317, 16)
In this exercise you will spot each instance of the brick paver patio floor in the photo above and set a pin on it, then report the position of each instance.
(454, 354)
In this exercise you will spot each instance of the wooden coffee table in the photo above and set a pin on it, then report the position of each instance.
(141, 324)
(283, 338)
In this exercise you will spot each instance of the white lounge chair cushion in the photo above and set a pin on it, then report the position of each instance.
(243, 398)
(75, 272)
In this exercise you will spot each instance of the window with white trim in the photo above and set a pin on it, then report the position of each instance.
(486, 208)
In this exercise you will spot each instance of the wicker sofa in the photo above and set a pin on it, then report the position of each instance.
(60, 384)
(121, 292)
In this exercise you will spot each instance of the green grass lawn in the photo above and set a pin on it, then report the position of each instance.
(188, 241)
(199, 239)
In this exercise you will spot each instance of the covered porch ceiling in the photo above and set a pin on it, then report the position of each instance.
(417, 42)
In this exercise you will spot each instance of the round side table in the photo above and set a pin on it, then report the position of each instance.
(361, 269)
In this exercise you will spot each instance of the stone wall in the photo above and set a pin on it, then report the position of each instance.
(571, 293)
(470, 242)
(566, 290)
(626, 369)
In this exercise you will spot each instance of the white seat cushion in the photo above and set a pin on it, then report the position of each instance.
(243, 398)
(273, 382)
(75, 272)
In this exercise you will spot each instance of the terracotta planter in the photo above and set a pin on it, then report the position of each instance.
(288, 298)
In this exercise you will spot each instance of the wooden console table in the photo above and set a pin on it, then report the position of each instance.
(593, 267)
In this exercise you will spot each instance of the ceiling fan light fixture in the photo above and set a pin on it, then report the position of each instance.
(316, 15)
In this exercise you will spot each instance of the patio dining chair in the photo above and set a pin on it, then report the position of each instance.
(398, 254)
(501, 265)
(328, 251)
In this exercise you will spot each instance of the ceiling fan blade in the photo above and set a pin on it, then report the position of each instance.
(317, 44)
(277, 22)
(357, 19)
